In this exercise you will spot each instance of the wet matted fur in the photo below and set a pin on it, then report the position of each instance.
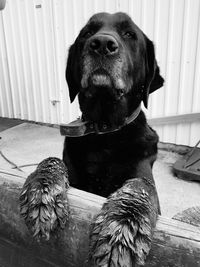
(112, 68)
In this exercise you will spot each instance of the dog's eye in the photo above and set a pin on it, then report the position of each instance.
(129, 34)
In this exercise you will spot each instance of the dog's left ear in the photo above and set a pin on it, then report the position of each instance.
(71, 72)
(153, 79)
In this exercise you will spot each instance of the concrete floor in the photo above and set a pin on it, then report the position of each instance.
(30, 143)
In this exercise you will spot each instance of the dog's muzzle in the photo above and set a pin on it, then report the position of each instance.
(104, 66)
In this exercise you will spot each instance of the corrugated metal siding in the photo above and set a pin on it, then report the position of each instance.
(35, 36)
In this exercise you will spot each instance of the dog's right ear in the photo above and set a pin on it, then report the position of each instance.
(153, 78)
(71, 73)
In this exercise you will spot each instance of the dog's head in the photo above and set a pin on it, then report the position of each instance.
(112, 68)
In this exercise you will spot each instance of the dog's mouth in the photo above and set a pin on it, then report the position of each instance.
(101, 81)
(98, 78)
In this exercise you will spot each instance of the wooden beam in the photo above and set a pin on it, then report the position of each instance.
(184, 118)
(174, 244)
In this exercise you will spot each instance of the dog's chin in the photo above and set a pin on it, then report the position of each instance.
(102, 84)
(100, 111)
(102, 102)
(100, 80)
(96, 79)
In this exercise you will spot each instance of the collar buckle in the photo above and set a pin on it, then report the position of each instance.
(81, 128)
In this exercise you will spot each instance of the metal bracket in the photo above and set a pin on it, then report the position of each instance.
(54, 102)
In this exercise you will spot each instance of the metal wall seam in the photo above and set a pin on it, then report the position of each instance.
(5, 95)
(7, 24)
(23, 73)
(30, 63)
(38, 24)
(17, 59)
(196, 91)
(195, 127)
(34, 56)
(49, 83)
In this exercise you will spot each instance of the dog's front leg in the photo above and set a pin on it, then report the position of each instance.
(122, 232)
(43, 202)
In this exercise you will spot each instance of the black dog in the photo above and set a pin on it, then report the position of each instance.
(112, 68)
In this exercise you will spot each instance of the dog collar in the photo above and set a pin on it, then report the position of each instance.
(79, 128)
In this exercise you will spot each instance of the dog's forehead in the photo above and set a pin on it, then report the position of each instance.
(109, 19)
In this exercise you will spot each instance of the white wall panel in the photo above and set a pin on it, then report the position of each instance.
(36, 34)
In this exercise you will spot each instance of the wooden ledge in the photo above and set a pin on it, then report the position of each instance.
(175, 243)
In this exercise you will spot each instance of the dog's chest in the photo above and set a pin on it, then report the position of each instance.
(106, 165)
(105, 171)
(96, 161)
(104, 162)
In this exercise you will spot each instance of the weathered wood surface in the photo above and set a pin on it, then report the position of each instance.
(175, 244)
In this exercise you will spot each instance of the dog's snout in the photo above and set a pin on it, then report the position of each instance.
(103, 45)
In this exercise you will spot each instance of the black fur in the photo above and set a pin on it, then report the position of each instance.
(112, 68)
(101, 164)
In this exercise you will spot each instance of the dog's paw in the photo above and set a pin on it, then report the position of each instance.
(121, 234)
(120, 243)
(43, 202)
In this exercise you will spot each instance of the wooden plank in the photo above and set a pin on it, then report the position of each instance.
(184, 118)
(175, 243)
(180, 149)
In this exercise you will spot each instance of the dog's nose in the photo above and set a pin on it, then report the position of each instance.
(104, 45)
